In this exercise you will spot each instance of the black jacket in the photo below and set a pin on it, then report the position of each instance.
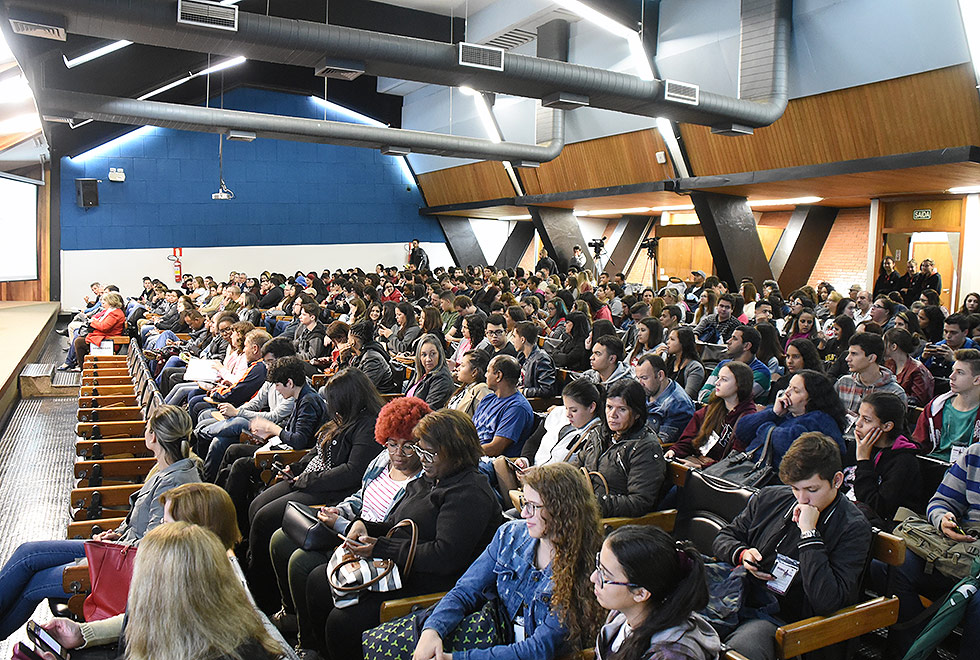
(538, 375)
(456, 518)
(634, 469)
(347, 457)
(373, 361)
(309, 414)
(892, 480)
(571, 354)
(309, 341)
(831, 564)
(435, 388)
(272, 298)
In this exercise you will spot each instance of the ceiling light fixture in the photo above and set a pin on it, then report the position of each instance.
(970, 15)
(26, 123)
(221, 66)
(514, 217)
(14, 89)
(793, 201)
(638, 209)
(640, 60)
(671, 209)
(95, 54)
(964, 190)
(483, 110)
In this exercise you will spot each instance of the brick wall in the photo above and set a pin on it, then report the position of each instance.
(844, 258)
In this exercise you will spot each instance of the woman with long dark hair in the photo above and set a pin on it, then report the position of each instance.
(474, 328)
(834, 350)
(800, 354)
(888, 279)
(598, 310)
(536, 567)
(653, 588)
(401, 336)
(555, 321)
(770, 349)
(912, 375)
(571, 352)
(683, 363)
(931, 322)
(431, 381)
(649, 335)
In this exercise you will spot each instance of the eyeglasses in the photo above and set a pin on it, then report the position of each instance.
(601, 572)
(878, 306)
(226, 331)
(403, 449)
(528, 506)
(424, 455)
(494, 333)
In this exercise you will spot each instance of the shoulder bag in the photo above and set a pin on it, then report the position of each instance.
(349, 574)
(954, 559)
(110, 570)
(300, 524)
(752, 469)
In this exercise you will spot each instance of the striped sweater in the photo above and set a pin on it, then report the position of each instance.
(959, 491)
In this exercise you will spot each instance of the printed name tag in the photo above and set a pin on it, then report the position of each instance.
(710, 443)
(955, 452)
(782, 574)
(519, 634)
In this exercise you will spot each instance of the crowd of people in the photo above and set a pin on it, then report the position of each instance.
(627, 379)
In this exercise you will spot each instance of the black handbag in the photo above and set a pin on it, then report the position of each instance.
(300, 524)
(745, 468)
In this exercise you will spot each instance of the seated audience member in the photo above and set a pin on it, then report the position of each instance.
(431, 380)
(463, 304)
(34, 570)
(800, 354)
(809, 403)
(448, 313)
(272, 294)
(214, 347)
(109, 322)
(247, 385)
(601, 328)
(710, 435)
(497, 338)
(887, 473)
(742, 346)
(401, 336)
(457, 514)
(951, 421)
(382, 488)
(598, 310)
(717, 327)
(310, 335)
(803, 544)
(955, 503)
(865, 353)
(626, 452)
(229, 370)
(537, 568)
(186, 602)
(565, 427)
(669, 408)
(503, 418)
(471, 374)
(671, 317)
(911, 375)
(940, 356)
(607, 361)
(338, 351)
(682, 360)
(648, 336)
(538, 375)
(474, 338)
(653, 590)
(834, 351)
(327, 473)
(571, 353)
(370, 357)
(554, 323)
(214, 437)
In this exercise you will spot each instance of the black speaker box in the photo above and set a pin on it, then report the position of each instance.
(87, 192)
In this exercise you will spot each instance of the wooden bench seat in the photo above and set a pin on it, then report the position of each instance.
(97, 380)
(107, 400)
(111, 448)
(120, 429)
(105, 471)
(107, 390)
(112, 413)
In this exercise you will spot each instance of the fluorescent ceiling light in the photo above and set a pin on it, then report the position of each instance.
(794, 201)
(483, 110)
(970, 13)
(95, 54)
(640, 60)
(666, 129)
(221, 66)
(638, 209)
(25, 123)
(678, 207)
(14, 90)
(73, 125)
(514, 217)
(964, 190)
(165, 88)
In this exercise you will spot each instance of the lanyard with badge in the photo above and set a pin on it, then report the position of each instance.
(785, 568)
(724, 438)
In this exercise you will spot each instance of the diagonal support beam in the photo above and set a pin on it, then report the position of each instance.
(729, 227)
(623, 255)
(559, 231)
(516, 246)
(799, 247)
(461, 241)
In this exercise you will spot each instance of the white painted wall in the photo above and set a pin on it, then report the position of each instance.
(970, 274)
(125, 268)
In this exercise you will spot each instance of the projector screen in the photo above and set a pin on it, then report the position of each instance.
(18, 220)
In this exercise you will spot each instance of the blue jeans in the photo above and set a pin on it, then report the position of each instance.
(222, 435)
(32, 574)
(172, 362)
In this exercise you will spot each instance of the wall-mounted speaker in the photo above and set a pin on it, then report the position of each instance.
(87, 192)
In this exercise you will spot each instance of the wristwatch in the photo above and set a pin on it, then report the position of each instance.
(809, 534)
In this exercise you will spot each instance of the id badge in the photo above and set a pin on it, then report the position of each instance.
(519, 634)
(782, 574)
(955, 452)
(710, 443)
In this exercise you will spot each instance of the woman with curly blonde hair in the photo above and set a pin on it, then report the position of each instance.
(539, 567)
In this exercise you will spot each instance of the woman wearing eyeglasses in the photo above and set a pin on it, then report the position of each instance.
(456, 513)
(537, 567)
(653, 589)
(382, 487)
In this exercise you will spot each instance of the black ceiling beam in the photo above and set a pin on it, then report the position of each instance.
(560, 231)
(637, 228)
(515, 247)
(800, 245)
(730, 229)
(461, 241)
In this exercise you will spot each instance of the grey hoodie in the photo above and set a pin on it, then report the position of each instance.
(694, 639)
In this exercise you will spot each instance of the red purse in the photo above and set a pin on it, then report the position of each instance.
(110, 570)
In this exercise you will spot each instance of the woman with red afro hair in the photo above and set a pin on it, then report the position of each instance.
(382, 487)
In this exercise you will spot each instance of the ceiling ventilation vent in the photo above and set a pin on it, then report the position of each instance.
(681, 92)
(482, 57)
(207, 14)
(513, 39)
(338, 69)
(37, 25)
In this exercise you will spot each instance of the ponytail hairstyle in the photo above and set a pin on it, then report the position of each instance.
(888, 407)
(715, 415)
(673, 573)
(172, 427)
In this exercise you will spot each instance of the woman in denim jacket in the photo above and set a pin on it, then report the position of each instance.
(538, 568)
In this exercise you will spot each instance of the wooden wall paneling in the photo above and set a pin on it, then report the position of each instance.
(931, 110)
(769, 236)
(467, 183)
(947, 215)
(615, 160)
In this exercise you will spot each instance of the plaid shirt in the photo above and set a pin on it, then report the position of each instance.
(712, 331)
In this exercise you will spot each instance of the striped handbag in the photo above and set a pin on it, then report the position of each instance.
(349, 574)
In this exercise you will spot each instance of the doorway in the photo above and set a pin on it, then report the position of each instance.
(942, 247)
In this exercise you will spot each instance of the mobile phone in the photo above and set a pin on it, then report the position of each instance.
(751, 563)
(280, 469)
(43, 639)
(517, 468)
(21, 650)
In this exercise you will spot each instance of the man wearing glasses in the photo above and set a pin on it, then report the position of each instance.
(497, 336)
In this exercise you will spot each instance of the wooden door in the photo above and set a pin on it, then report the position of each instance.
(940, 253)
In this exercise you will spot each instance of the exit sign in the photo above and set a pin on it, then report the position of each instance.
(922, 214)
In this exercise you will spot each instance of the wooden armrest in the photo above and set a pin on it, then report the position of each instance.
(820, 631)
(732, 654)
(119, 467)
(662, 519)
(110, 414)
(391, 396)
(74, 578)
(888, 548)
(678, 473)
(543, 403)
(183, 336)
(264, 459)
(119, 340)
(112, 447)
(111, 495)
(86, 529)
(392, 609)
(515, 498)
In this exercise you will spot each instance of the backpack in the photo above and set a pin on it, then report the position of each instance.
(954, 559)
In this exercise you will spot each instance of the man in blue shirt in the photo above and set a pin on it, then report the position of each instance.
(503, 419)
(669, 408)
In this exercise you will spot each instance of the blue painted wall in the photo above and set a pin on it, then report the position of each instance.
(286, 193)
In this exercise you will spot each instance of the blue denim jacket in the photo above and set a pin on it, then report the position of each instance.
(670, 412)
(506, 570)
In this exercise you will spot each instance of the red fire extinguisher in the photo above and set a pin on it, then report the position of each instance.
(175, 257)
